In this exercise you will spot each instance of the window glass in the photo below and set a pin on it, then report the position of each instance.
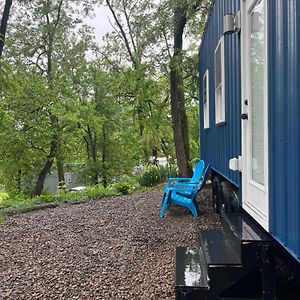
(206, 99)
(219, 83)
(257, 42)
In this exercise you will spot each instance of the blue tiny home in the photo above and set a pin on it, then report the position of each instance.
(250, 111)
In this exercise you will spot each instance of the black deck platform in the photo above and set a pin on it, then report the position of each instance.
(234, 262)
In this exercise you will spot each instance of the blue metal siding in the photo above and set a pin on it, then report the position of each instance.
(221, 143)
(284, 103)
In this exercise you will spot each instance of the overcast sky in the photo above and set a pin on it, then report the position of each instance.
(100, 22)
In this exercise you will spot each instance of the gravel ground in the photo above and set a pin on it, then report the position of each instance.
(113, 248)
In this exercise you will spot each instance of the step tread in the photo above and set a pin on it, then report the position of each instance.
(244, 228)
(218, 249)
(191, 268)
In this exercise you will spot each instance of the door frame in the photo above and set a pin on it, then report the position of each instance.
(261, 216)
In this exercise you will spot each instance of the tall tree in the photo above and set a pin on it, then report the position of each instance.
(178, 106)
(48, 33)
(3, 25)
(52, 15)
(184, 14)
(134, 33)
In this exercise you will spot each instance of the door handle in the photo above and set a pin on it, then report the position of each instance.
(244, 116)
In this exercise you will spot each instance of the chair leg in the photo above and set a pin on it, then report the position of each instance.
(169, 202)
(193, 207)
(164, 205)
(197, 207)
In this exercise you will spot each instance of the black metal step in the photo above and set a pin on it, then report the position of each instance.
(244, 228)
(218, 249)
(234, 262)
(191, 268)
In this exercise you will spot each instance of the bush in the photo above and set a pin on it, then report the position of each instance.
(16, 201)
(3, 197)
(126, 185)
(99, 192)
(21, 200)
(2, 219)
(153, 175)
(46, 199)
(123, 188)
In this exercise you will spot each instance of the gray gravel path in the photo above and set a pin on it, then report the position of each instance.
(113, 248)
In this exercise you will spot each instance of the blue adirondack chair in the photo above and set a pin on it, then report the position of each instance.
(199, 168)
(184, 194)
(198, 171)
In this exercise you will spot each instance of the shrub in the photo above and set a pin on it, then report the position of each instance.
(2, 218)
(126, 185)
(16, 201)
(23, 201)
(3, 197)
(123, 188)
(153, 175)
(99, 192)
(46, 198)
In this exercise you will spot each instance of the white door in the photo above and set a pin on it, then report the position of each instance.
(255, 110)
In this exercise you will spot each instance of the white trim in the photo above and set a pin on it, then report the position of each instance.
(206, 122)
(220, 119)
(252, 191)
(266, 109)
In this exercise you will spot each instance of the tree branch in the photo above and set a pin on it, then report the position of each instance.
(3, 25)
(123, 33)
(36, 147)
(129, 27)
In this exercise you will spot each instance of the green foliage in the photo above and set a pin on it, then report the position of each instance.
(3, 197)
(123, 188)
(47, 198)
(19, 200)
(153, 175)
(22, 201)
(99, 192)
(106, 113)
(2, 218)
(126, 185)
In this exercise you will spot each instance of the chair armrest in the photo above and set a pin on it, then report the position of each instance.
(184, 185)
(187, 189)
(172, 181)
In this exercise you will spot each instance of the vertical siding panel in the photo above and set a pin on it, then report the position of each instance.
(219, 144)
(293, 125)
(284, 123)
(277, 145)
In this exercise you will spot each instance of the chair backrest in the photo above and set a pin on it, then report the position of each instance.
(201, 182)
(198, 172)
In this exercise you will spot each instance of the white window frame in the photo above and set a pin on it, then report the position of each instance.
(220, 107)
(206, 100)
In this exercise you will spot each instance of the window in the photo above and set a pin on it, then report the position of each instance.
(206, 99)
(220, 83)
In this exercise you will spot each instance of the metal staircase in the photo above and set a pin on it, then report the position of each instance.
(234, 262)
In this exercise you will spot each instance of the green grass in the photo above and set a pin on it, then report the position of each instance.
(22, 201)
(2, 218)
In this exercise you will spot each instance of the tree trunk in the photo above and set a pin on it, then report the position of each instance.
(60, 172)
(19, 181)
(178, 109)
(141, 132)
(38, 189)
(104, 155)
(92, 152)
(3, 25)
